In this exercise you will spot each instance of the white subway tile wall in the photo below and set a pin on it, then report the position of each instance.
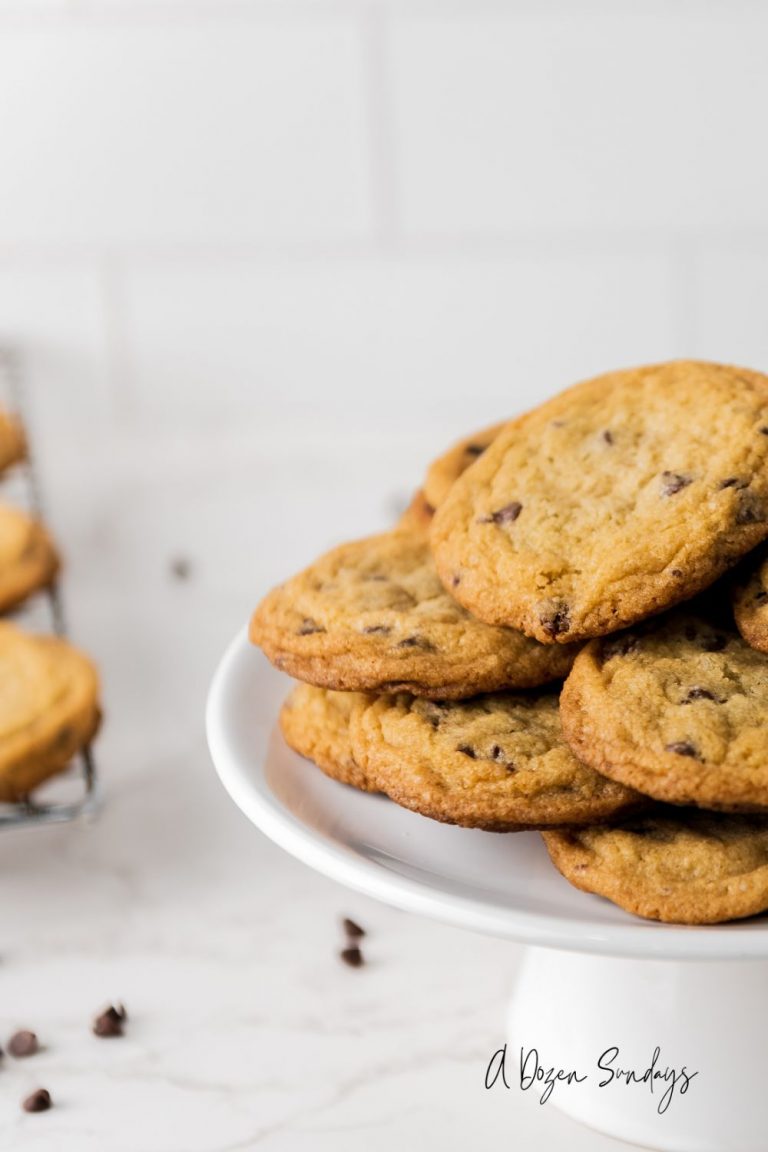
(372, 221)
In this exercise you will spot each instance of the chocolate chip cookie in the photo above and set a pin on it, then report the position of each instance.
(315, 723)
(445, 471)
(497, 762)
(28, 559)
(682, 866)
(373, 616)
(750, 600)
(676, 709)
(418, 515)
(614, 500)
(48, 708)
(13, 444)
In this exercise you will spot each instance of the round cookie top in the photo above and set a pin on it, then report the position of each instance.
(497, 762)
(315, 723)
(443, 473)
(682, 866)
(28, 559)
(48, 708)
(13, 445)
(750, 601)
(610, 502)
(373, 616)
(676, 709)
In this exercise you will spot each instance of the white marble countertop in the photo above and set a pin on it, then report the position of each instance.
(245, 1029)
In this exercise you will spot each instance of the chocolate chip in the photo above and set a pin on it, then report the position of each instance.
(380, 628)
(555, 619)
(619, 646)
(180, 568)
(697, 693)
(682, 748)
(475, 449)
(672, 482)
(309, 628)
(417, 642)
(110, 1022)
(733, 482)
(676, 572)
(23, 1043)
(750, 511)
(714, 643)
(764, 430)
(467, 750)
(608, 436)
(455, 581)
(508, 514)
(352, 956)
(497, 752)
(39, 1101)
(352, 929)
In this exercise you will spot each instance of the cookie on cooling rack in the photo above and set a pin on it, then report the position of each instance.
(675, 708)
(13, 444)
(48, 708)
(28, 559)
(683, 866)
(610, 502)
(315, 723)
(373, 616)
(497, 762)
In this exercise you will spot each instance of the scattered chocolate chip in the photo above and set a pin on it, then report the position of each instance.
(23, 1043)
(764, 430)
(352, 929)
(619, 646)
(352, 956)
(608, 436)
(382, 628)
(682, 748)
(455, 581)
(733, 482)
(714, 643)
(417, 642)
(181, 568)
(467, 750)
(475, 449)
(676, 572)
(506, 515)
(697, 693)
(309, 628)
(555, 619)
(672, 482)
(497, 752)
(39, 1101)
(750, 511)
(110, 1022)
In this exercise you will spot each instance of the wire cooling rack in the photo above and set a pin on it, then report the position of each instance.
(73, 793)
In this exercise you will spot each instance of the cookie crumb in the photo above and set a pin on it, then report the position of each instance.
(352, 956)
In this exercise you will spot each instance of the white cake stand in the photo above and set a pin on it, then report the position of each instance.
(593, 977)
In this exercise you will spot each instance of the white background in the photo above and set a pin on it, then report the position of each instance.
(264, 260)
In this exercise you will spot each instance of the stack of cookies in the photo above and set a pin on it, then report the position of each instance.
(567, 631)
(48, 690)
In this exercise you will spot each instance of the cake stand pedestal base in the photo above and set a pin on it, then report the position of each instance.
(710, 1018)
